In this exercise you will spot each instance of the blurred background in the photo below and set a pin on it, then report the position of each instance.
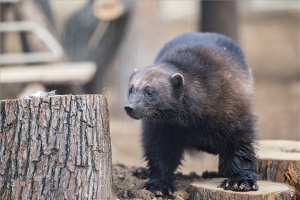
(92, 46)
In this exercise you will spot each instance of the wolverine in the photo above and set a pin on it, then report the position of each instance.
(198, 94)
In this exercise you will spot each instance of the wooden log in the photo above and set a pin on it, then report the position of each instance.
(279, 161)
(55, 148)
(108, 10)
(208, 189)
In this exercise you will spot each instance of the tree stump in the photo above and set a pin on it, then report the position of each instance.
(55, 148)
(279, 161)
(208, 189)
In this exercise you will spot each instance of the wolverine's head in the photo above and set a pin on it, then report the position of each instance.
(154, 93)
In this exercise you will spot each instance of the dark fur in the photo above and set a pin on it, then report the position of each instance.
(208, 108)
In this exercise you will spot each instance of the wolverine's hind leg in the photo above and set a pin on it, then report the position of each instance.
(238, 164)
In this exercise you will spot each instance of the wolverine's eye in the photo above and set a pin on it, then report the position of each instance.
(130, 90)
(149, 91)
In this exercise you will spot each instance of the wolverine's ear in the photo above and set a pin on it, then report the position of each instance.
(133, 73)
(177, 79)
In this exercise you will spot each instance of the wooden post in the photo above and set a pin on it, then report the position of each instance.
(220, 17)
(279, 161)
(267, 190)
(55, 148)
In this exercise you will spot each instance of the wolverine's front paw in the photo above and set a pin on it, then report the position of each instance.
(160, 188)
(239, 185)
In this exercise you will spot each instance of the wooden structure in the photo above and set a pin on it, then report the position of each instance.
(92, 35)
(60, 73)
(41, 50)
(55, 148)
(49, 50)
(267, 190)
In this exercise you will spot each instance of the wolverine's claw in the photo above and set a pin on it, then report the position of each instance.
(159, 188)
(239, 185)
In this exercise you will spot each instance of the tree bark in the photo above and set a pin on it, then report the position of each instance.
(279, 161)
(267, 190)
(55, 148)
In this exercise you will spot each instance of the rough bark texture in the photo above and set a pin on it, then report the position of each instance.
(277, 170)
(267, 190)
(279, 161)
(55, 148)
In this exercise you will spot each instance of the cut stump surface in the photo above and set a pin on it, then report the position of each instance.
(208, 189)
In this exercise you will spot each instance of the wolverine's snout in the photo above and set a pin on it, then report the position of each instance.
(132, 111)
(128, 109)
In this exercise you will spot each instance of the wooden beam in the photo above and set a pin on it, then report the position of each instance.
(29, 10)
(80, 73)
(52, 52)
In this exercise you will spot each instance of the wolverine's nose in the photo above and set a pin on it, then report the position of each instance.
(128, 109)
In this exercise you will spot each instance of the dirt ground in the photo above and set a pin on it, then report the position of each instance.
(128, 181)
